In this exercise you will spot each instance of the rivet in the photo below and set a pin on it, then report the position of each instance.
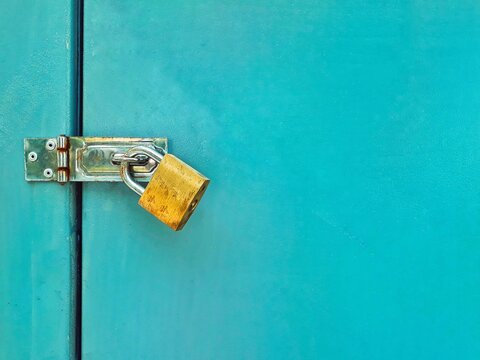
(32, 156)
(51, 144)
(48, 173)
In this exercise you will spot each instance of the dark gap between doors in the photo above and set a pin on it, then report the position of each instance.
(78, 19)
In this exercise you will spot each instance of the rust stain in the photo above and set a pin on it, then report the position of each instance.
(64, 170)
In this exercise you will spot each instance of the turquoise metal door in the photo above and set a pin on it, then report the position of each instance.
(342, 140)
(37, 222)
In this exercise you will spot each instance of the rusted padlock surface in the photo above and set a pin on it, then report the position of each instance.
(173, 192)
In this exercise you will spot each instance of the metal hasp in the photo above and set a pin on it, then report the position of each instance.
(75, 158)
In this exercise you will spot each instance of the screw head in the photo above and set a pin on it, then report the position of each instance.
(32, 156)
(48, 173)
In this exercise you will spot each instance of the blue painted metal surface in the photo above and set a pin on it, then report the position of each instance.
(342, 140)
(36, 224)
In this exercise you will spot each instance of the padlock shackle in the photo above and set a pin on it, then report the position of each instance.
(127, 178)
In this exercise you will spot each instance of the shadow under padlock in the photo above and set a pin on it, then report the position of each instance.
(174, 190)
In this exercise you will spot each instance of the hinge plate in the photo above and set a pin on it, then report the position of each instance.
(78, 158)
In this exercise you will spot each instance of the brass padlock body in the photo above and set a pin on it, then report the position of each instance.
(173, 192)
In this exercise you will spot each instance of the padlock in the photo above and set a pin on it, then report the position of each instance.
(173, 191)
